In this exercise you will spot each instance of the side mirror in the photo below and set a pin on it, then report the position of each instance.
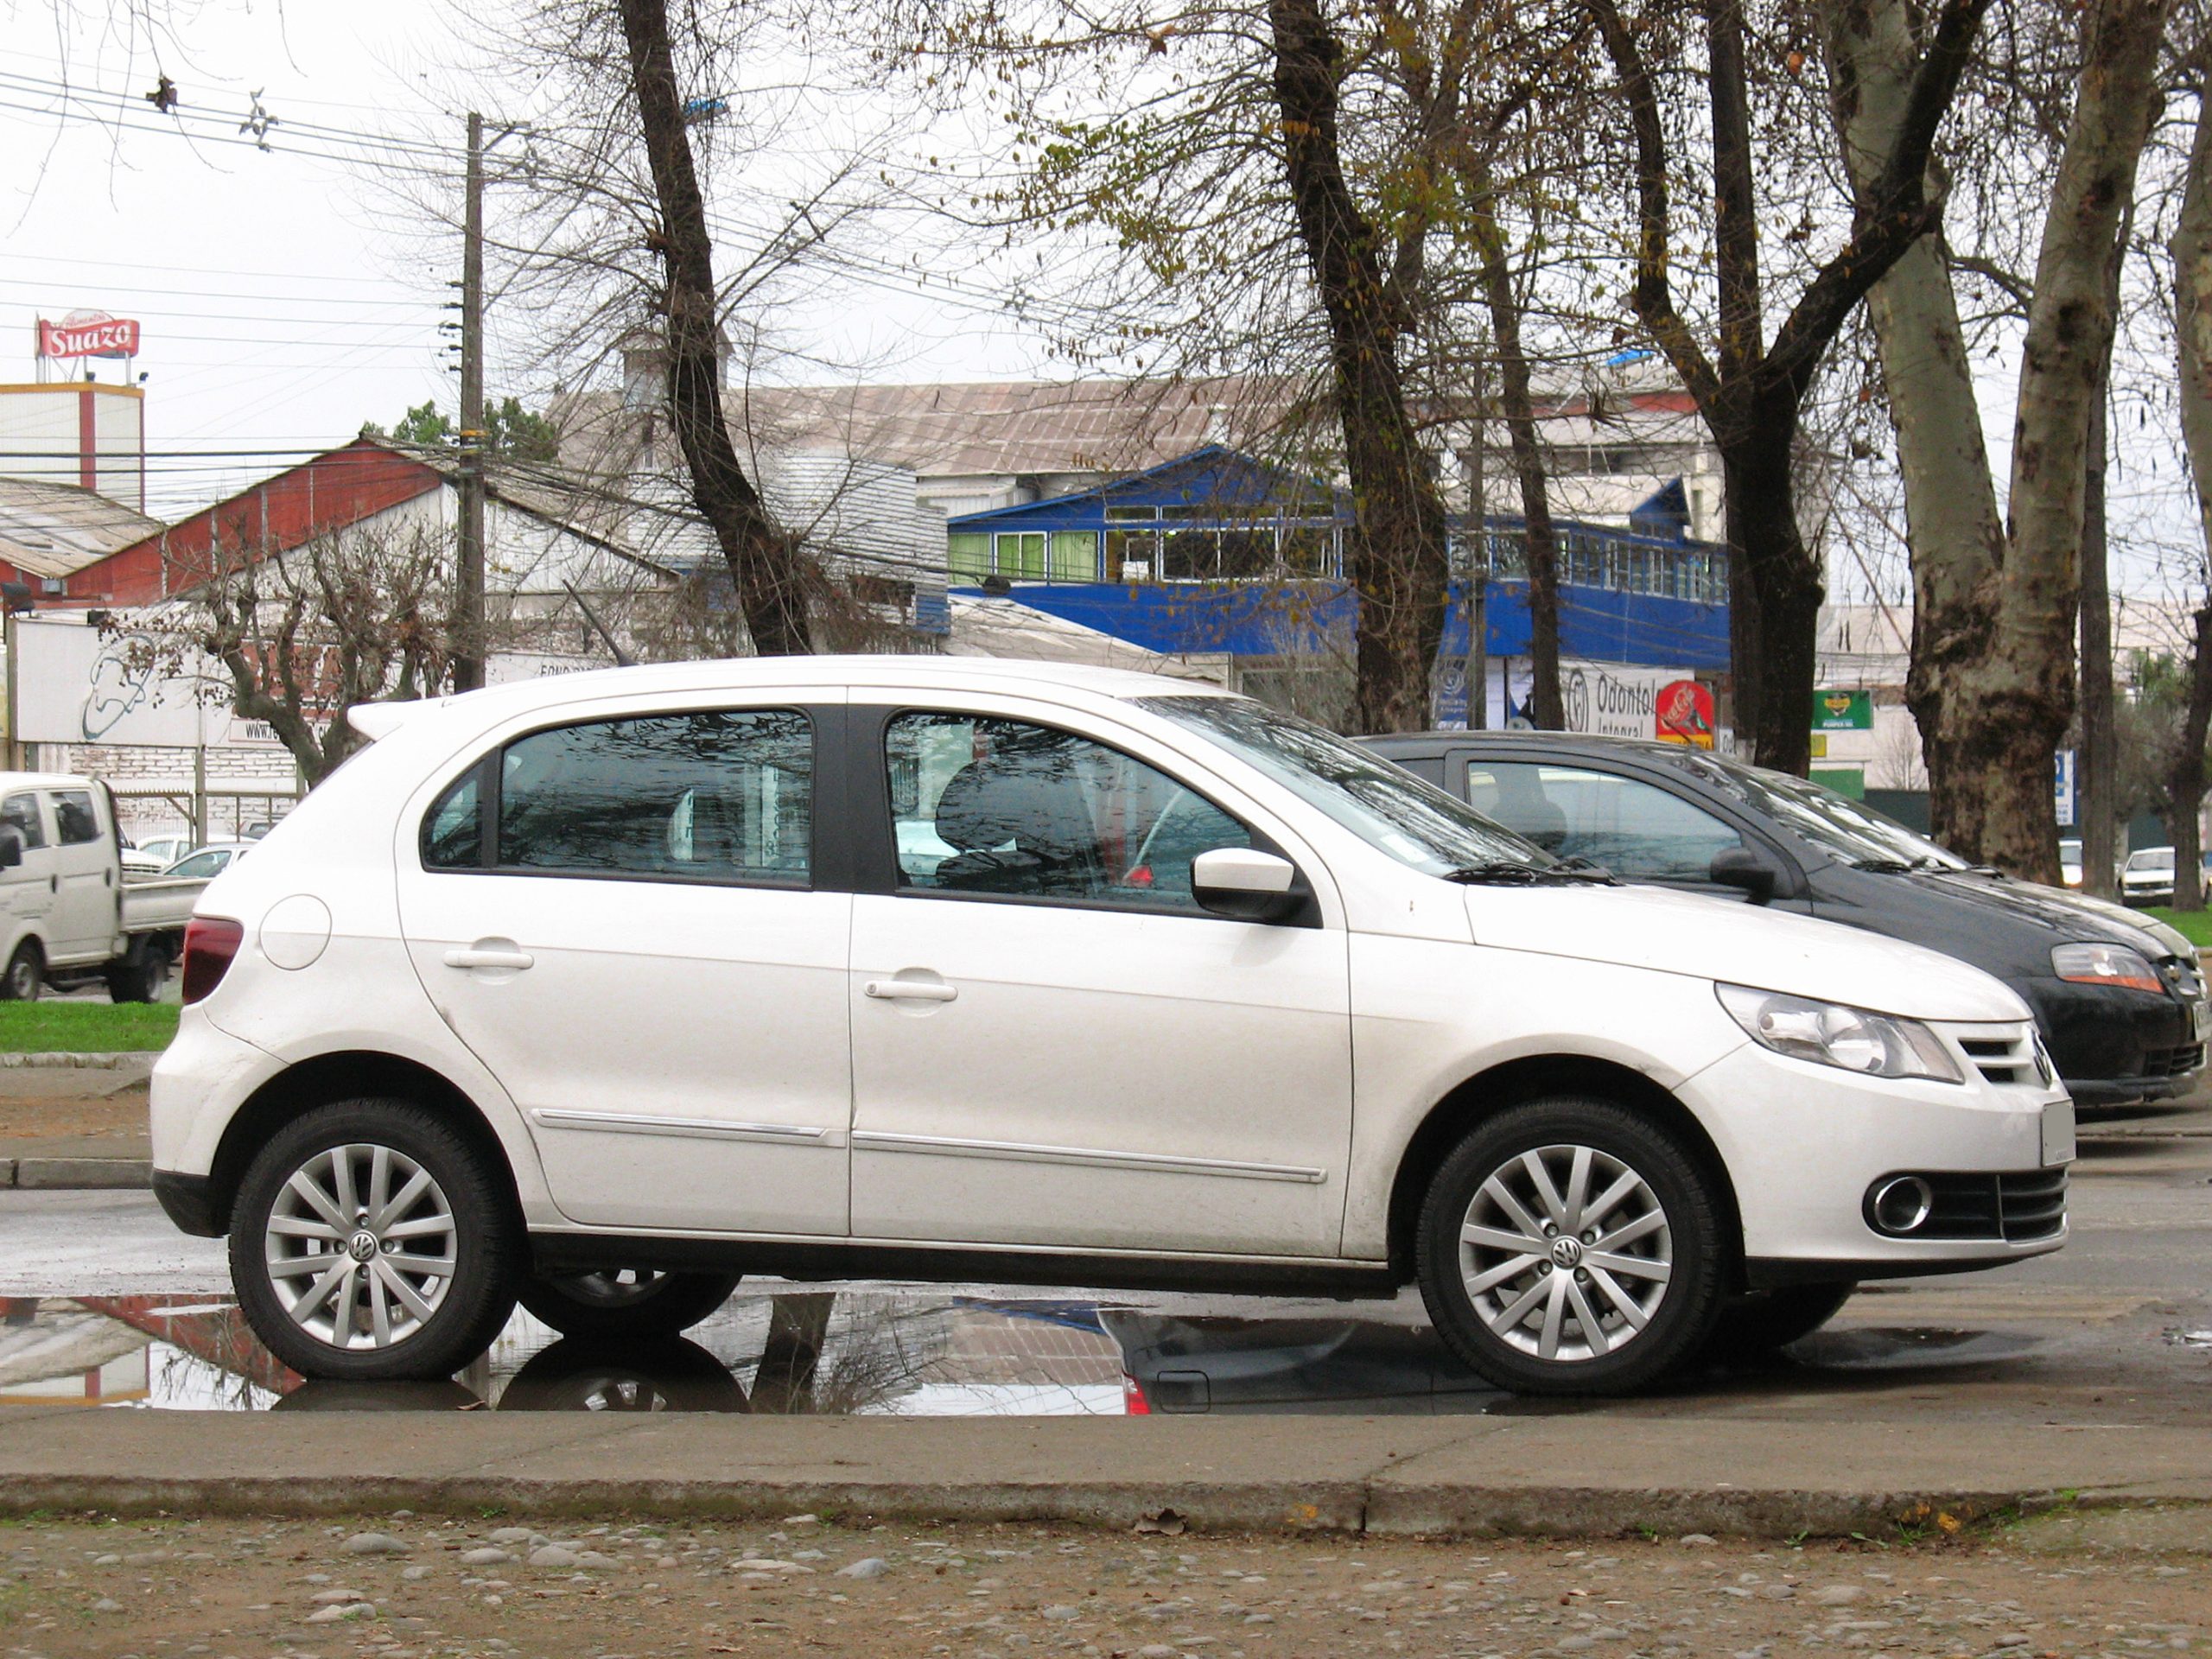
(1741, 868)
(11, 847)
(1247, 884)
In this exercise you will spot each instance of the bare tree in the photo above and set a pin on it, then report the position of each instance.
(1751, 390)
(1991, 680)
(295, 638)
(2190, 250)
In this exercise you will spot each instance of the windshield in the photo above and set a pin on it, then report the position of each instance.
(1415, 822)
(2157, 858)
(1851, 830)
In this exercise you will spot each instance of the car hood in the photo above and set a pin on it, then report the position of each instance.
(1739, 943)
(2071, 915)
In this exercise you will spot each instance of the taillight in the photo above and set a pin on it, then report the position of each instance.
(210, 942)
(1133, 1403)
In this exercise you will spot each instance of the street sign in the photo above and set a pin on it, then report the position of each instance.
(2065, 788)
(1843, 711)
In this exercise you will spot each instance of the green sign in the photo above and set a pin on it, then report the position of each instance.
(1843, 711)
(1844, 780)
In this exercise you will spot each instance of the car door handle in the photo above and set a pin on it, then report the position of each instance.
(485, 957)
(912, 990)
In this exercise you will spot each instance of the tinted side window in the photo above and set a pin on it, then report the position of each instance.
(709, 797)
(999, 806)
(1634, 829)
(21, 813)
(74, 821)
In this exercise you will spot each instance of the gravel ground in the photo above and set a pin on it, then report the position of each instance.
(396, 1587)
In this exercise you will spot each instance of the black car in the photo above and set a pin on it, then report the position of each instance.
(2120, 999)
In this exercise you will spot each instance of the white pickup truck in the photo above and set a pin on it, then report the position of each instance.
(67, 915)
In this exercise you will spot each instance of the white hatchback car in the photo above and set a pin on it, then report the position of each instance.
(601, 990)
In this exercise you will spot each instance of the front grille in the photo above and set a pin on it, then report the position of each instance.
(2006, 1056)
(2014, 1208)
(2173, 1062)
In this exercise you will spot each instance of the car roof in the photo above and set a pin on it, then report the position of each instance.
(41, 780)
(1425, 743)
(747, 673)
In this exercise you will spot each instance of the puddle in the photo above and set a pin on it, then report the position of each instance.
(864, 1351)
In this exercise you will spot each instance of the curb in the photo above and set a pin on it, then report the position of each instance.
(120, 1060)
(1281, 1507)
(77, 1174)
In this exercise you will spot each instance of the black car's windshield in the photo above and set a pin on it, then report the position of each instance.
(1414, 821)
(1851, 830)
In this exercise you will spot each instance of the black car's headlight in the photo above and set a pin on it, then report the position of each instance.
(1833, 1033)
(2106, 964)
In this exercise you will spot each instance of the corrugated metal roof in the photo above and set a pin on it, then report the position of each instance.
(52, 529)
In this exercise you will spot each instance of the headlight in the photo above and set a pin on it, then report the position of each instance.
(2105, 964)
(1829, 1034)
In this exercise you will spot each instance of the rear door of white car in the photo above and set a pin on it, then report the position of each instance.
(1053, 1046)
(618, 914)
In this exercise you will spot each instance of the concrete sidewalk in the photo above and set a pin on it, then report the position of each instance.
(1557, 1473)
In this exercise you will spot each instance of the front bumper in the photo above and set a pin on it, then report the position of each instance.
(1804, 1144)
(2112, 1045)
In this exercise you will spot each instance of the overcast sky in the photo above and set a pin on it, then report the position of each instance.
(286, 295)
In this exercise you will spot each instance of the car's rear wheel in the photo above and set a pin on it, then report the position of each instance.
(25, 976)
(140, 976)
(1753, 1326)
(370, 1242)
(1571, 1246)
(629, 1302)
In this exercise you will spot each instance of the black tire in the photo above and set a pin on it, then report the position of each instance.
(1677, 1306)
(141, 977)
(465, 1203)
(625, 1305)
(1753, 1326)
(25, 977)
(669, 1374)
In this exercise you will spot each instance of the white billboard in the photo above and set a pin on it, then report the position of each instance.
(75, 683)
(1610, 699)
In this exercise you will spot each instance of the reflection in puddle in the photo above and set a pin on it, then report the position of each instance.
(856, 1352)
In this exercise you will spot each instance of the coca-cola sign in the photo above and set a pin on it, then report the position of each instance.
(98, 337)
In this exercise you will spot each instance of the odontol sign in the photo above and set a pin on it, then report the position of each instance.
(1610, 699)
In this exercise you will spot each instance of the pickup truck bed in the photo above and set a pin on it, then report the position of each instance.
(159, 904)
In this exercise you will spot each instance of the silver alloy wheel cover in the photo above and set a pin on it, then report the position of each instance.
(1565, 1253)
(360, 1247)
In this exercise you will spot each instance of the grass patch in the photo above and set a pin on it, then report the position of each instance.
(2195, 926)
(86, 1027)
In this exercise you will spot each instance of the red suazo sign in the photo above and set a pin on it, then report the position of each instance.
(109, 337)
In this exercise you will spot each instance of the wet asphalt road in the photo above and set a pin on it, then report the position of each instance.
(2113, 1330)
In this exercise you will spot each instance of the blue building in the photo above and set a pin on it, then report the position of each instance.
(1218, 552)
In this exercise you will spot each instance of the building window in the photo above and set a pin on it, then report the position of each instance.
(1075, 556)
(1131, 554)
(968, 555)
(1021, 555)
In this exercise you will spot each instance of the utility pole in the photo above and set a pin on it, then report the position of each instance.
(1477, 673)
(468, 659)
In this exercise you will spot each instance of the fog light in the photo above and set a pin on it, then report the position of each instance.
(1902, 1204)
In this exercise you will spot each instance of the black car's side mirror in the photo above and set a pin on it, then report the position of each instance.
(11, 847)
(1742, 868)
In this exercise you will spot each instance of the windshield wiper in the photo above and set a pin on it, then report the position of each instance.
(1905, 866)
(1505, 871)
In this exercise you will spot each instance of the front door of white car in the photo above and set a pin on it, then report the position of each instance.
(28, 889)
(617, 916)
(81, 926)
(1053, 1046)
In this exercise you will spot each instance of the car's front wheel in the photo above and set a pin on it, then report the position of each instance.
(369, 1242)
(1572, 1246)
(626, 1303)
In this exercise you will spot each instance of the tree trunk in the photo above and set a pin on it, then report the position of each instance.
(2185, 782)
(2096, 814)
(2010, 708)
(1991, 682)
(1399, 565)
(768, 566)
(1779, 592)
(1518, 400)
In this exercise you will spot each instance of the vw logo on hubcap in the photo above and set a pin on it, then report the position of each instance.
(1567, 1252)
(362, 1246)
